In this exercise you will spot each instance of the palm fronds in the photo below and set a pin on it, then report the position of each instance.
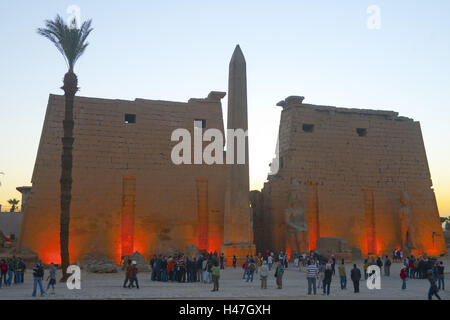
(68, 39)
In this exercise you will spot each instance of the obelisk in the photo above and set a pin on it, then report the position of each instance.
(238, 239)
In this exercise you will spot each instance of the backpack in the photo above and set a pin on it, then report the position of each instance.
(40, 271)
(252, 267)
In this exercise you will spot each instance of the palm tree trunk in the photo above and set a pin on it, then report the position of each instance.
(70, 88)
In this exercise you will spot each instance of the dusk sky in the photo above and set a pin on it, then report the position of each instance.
(175, 50)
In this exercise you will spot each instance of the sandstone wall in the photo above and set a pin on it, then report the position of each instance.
(351, 183)
(106, 151)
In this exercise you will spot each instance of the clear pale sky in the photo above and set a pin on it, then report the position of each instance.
(175, 50)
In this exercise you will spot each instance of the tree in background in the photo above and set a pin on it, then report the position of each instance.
(13, 203)
(71, 42)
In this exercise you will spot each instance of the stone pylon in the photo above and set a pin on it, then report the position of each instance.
(238, 234)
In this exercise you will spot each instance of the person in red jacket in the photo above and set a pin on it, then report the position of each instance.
(411, 268)
(170, 268)
(245, 267)
(4, 272)
(403, 277)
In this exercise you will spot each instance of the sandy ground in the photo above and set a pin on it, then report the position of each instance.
(109, 286)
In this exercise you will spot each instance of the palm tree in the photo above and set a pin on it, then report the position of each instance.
(71, 42)
(13, 203)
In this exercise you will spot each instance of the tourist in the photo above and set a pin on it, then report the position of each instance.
(280, 257)
(327, 279)
(209, 267)
(286, 260)
(270, 261)
(421, 268)
(296, 261)
(170, 269)
(20, 270)
(387, 266)
(394, 255)
(416, 269)
(222, 258)
(406, 265)
(433, 290)
(355, 275)
(440, 275)
(333, 264)
(189, 269)
(312, 274)
(234, 262)
(128, 274)
(379, 263)
(245, 267)
(163, 267)
(205, 270)
(11, 271)
(264, 273)
(38, 275)
(411, 268)
(194, 269)
(133, 275)
(3, 272)
(152, 265)
(279, 274)
(215, 271)
(159, 267)
(321, 274)
(14, 262)
(180, 269)
(343, 275)
(366, 266)
(199, 268)
(52, 277)
(251, 270)
(403, 277)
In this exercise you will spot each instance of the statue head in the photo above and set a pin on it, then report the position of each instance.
(404, 198)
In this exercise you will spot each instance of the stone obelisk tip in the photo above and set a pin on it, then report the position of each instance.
(238, 56)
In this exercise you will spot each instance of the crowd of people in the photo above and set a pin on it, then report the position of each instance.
(319, 270)
(205, 268)
(12, 271)
(183, 268)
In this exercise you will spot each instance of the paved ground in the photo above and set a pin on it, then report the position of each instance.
(109, 286)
